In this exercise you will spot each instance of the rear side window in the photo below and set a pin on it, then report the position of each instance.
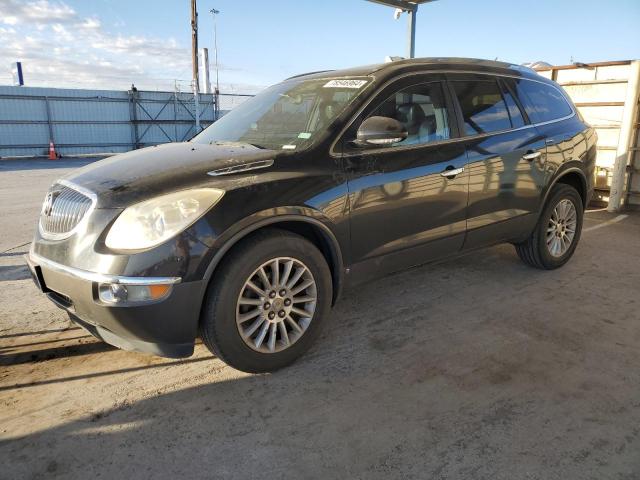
(542, 102)
(483, 108)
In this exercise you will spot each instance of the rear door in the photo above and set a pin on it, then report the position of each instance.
(407, 200)
(554, 118)
(506, 159)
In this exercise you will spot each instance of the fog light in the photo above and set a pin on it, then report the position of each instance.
(113, 293)
(120, 294)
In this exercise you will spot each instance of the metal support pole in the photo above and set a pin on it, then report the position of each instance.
(196, 100)
(175, 110)
(215, 12)
(194, 58)
(48, 109)
(216, 93)
(626, 136)
(216, 105)
(133, 118)
(411, 31)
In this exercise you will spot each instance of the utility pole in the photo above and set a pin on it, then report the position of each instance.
(194, 60)
(214, 13)
(411, 30)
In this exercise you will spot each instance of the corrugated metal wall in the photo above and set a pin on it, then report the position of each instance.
(95, 121)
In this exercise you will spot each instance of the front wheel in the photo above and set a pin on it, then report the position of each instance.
(266, 302)
(557, 233)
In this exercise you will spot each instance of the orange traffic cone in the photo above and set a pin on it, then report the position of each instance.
(52, 151)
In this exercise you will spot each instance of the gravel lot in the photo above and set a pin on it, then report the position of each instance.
(478, 367)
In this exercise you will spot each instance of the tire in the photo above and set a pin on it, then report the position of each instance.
(219, 329)
(535, 251)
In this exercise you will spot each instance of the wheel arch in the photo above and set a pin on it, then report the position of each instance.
(573, 176)
(308, 227)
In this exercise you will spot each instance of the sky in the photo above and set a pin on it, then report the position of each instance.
(112, 43)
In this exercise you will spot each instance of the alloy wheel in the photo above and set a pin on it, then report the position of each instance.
(561, 229)
(276, 305)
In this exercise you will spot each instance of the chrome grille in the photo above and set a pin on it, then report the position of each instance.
(62, 210)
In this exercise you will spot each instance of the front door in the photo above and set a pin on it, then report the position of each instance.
(407, 200)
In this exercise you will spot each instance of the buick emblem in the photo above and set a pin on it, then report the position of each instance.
(47, 206)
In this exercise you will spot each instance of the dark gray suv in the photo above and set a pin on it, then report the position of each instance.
(247, 234)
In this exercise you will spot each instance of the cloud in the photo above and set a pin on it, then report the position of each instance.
(35, 12)
(61, 48)
(90, 23)
(62, 32)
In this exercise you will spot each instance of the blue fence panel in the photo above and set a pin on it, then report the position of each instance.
(97, 121)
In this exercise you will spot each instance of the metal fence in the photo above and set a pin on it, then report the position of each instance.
(98, 121)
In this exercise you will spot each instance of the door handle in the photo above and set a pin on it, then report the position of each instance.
(451, 172)
(529, 156)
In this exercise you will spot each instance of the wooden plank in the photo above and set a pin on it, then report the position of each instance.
(597, 92)
(603, 115)
(582, 65)
(608, 137)
(600, 104)
(591, 82)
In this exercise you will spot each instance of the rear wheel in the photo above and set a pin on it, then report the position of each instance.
(557, 233)
(266, 302)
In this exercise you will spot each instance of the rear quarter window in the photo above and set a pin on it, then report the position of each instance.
(542, 102)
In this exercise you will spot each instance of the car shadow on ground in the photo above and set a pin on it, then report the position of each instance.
(12, 254)
(14, 272)
(43, 342)
(437, 372)
(40, 332)
(108, 373)
(9, 358)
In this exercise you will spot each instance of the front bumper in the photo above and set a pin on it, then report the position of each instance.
(167, 327)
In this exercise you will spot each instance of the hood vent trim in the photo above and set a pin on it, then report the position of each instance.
(245, 167)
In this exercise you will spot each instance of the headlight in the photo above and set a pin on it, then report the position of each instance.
(150, 223)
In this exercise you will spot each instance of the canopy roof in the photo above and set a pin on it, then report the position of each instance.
(403, 4)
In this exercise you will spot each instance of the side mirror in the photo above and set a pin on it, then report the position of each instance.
(380, 131)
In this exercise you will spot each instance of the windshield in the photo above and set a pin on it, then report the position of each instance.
(286, 116)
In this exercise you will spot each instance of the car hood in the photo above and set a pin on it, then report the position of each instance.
(135, 176)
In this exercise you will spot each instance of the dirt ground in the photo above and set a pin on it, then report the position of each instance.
(479, 368)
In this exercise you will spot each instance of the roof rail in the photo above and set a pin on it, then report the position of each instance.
(522, 68)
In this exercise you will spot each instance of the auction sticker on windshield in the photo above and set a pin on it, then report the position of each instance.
(345, 83)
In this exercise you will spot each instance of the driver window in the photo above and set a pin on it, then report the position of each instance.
(422, 111)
